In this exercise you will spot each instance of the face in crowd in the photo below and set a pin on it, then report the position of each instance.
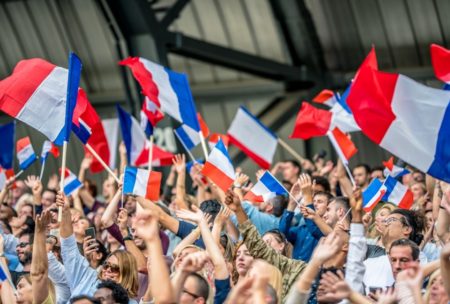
(243, 260)
(290, 171)
(24, 249)
(361, 176)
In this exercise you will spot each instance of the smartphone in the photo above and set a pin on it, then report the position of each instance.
(90, 232)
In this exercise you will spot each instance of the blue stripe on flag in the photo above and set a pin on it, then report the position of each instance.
(3, 276)
(188, 112)
(72, 186)
(7, 134)
(184, 137)
(440, 167)
(81, 132)
(343, 99)
(371, 191)
(129, 179)
(72, 91)
(259, 122)
(221, 147)
(273, 184)
(28, 162)
(125, 127)
(390, 184)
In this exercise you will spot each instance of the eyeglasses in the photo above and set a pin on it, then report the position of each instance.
(191, 294)
(112, 267)
(390, 220)
(23, 244)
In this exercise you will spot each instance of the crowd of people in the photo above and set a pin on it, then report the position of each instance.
(199, 244)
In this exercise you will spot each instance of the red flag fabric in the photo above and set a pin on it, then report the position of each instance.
(152, 111)
(311, 122)
(440, 59)
(343, 145)
(203, 126)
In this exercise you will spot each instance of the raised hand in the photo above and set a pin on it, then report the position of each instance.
(412, 276)
(34, 184)
(328, 246)
(179, 162)
(53, 182)
(223, 215)
(307, 212)
(122, 221)
(259, 173)
(62, 201)
(89, 246)
(335, 286)
(327, 168)
(191, 216)
(296, 191)
(86, 162)
(146, 225)
(194, 262)
(232, 200)
(43, 221)
(306, 186)
(389, 296)
(241, 179)
(122, 148)
(356, 202)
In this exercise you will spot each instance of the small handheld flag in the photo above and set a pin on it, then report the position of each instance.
(266, 188)
(373, 194)
(71, 182)
(219, 168)
(343, 145)
(188, 137)
(393, 170)
(397, 193)
(214, 138)
(142, 182)
(326, 97)
(48, 148)
(25, 153)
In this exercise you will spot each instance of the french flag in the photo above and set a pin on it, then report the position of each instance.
(188, 137)
(48, 148)
(203, 126)
(150, 116)
(142, 182)
(373, 194)
(397, 193)
(71, 182)
(214, 138)
(343, 145)
(393, 170)
(440, 59)
(7, 135)
(133, 136)
(251, 136)
(25, 153)
(312, 122)
(167, 89)
(111, 130)
(219, 168)
(266, 188)
(408, 119)
(160, 158)
(35, 94)
(327, 97)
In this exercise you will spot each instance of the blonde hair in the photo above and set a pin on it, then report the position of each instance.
(433, 277)
(128, 271)
(275, 276)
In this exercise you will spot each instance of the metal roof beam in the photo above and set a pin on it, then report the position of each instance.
(173, 13)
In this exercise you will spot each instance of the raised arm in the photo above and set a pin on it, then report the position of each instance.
(188, 240)
(6, 290)
(179, 162)
(36, 187)
(310, 214)
(445, 267)
(107, 217)
(123, 157)
(443, 220)
(39, 261)
(167, 221)
(344, 180)
(85, 165)
(147, 228)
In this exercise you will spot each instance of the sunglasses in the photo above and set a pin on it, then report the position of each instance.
(23, 244)
(112, 267)
(54, 210)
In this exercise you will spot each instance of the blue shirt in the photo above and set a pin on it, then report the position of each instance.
(262, 221)
(223, 287)
(184, 228)
(304, 237)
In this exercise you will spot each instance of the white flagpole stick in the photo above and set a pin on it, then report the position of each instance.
(42, 170)
(202, 140)
(100, 160)
(350, 175)
(63, 171)
(290, 195)
(341, 156)
(291, 150)
(150, 153)
(18, 174)
(346, 214)
(187, 150)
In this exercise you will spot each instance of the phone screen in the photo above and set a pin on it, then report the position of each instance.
(90, 232)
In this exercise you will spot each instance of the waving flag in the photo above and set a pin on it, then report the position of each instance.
(219, 168)
(72, 92)
(326, 97)
(406, 118)
(266, 188)
(142, 182)
(150, 116)
(397, 193)
(161, 157)
(214, 138)
(111, 130)
(25, 153)
(373, 194)
(35, 94)
(440, 59)
(393, 170)
(48, 147)
(203, 126)
(312, 122)
(167, 89)
(187, 136)
(71, 182)
(7, 135)
(251, 136)
(343, 145)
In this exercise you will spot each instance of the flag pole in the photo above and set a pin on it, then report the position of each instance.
(350, 175)
(341, 157)
(42, 170)
(291, 150)
(150, 153)
(18, 174)
(63, 171)
(202, 140)
(290, 195)
(185, 148)
(100, 160)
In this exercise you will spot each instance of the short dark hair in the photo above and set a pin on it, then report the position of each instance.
(211, 207)
(365, 166)
(52, 191)
(202, 286)
(120, 294)
(344, 203)
(328, 195)
(92, 187)
(295, 164)
(102, 249)
(84, 297)
(415, 220)
(279, 203)
(30, 235)
(322, 181)
(415, 250)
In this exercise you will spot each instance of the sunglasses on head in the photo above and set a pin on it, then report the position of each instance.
(112, 267)
(54, 210)
(23, 244)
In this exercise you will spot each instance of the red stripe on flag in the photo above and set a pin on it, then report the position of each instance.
(153, 186)
(311, 122)
(260, 161)
(203, 126)
(16, 89)
(217, 176)
(323, 96)
(214, 138)
(144, 77)
(407, 200)
(348, 148)
(440, 59)
(389, 163)
(250, 196)
(22, 143)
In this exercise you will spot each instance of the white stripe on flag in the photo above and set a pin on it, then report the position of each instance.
(221, 162)
(140, 185)
(111, 128)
